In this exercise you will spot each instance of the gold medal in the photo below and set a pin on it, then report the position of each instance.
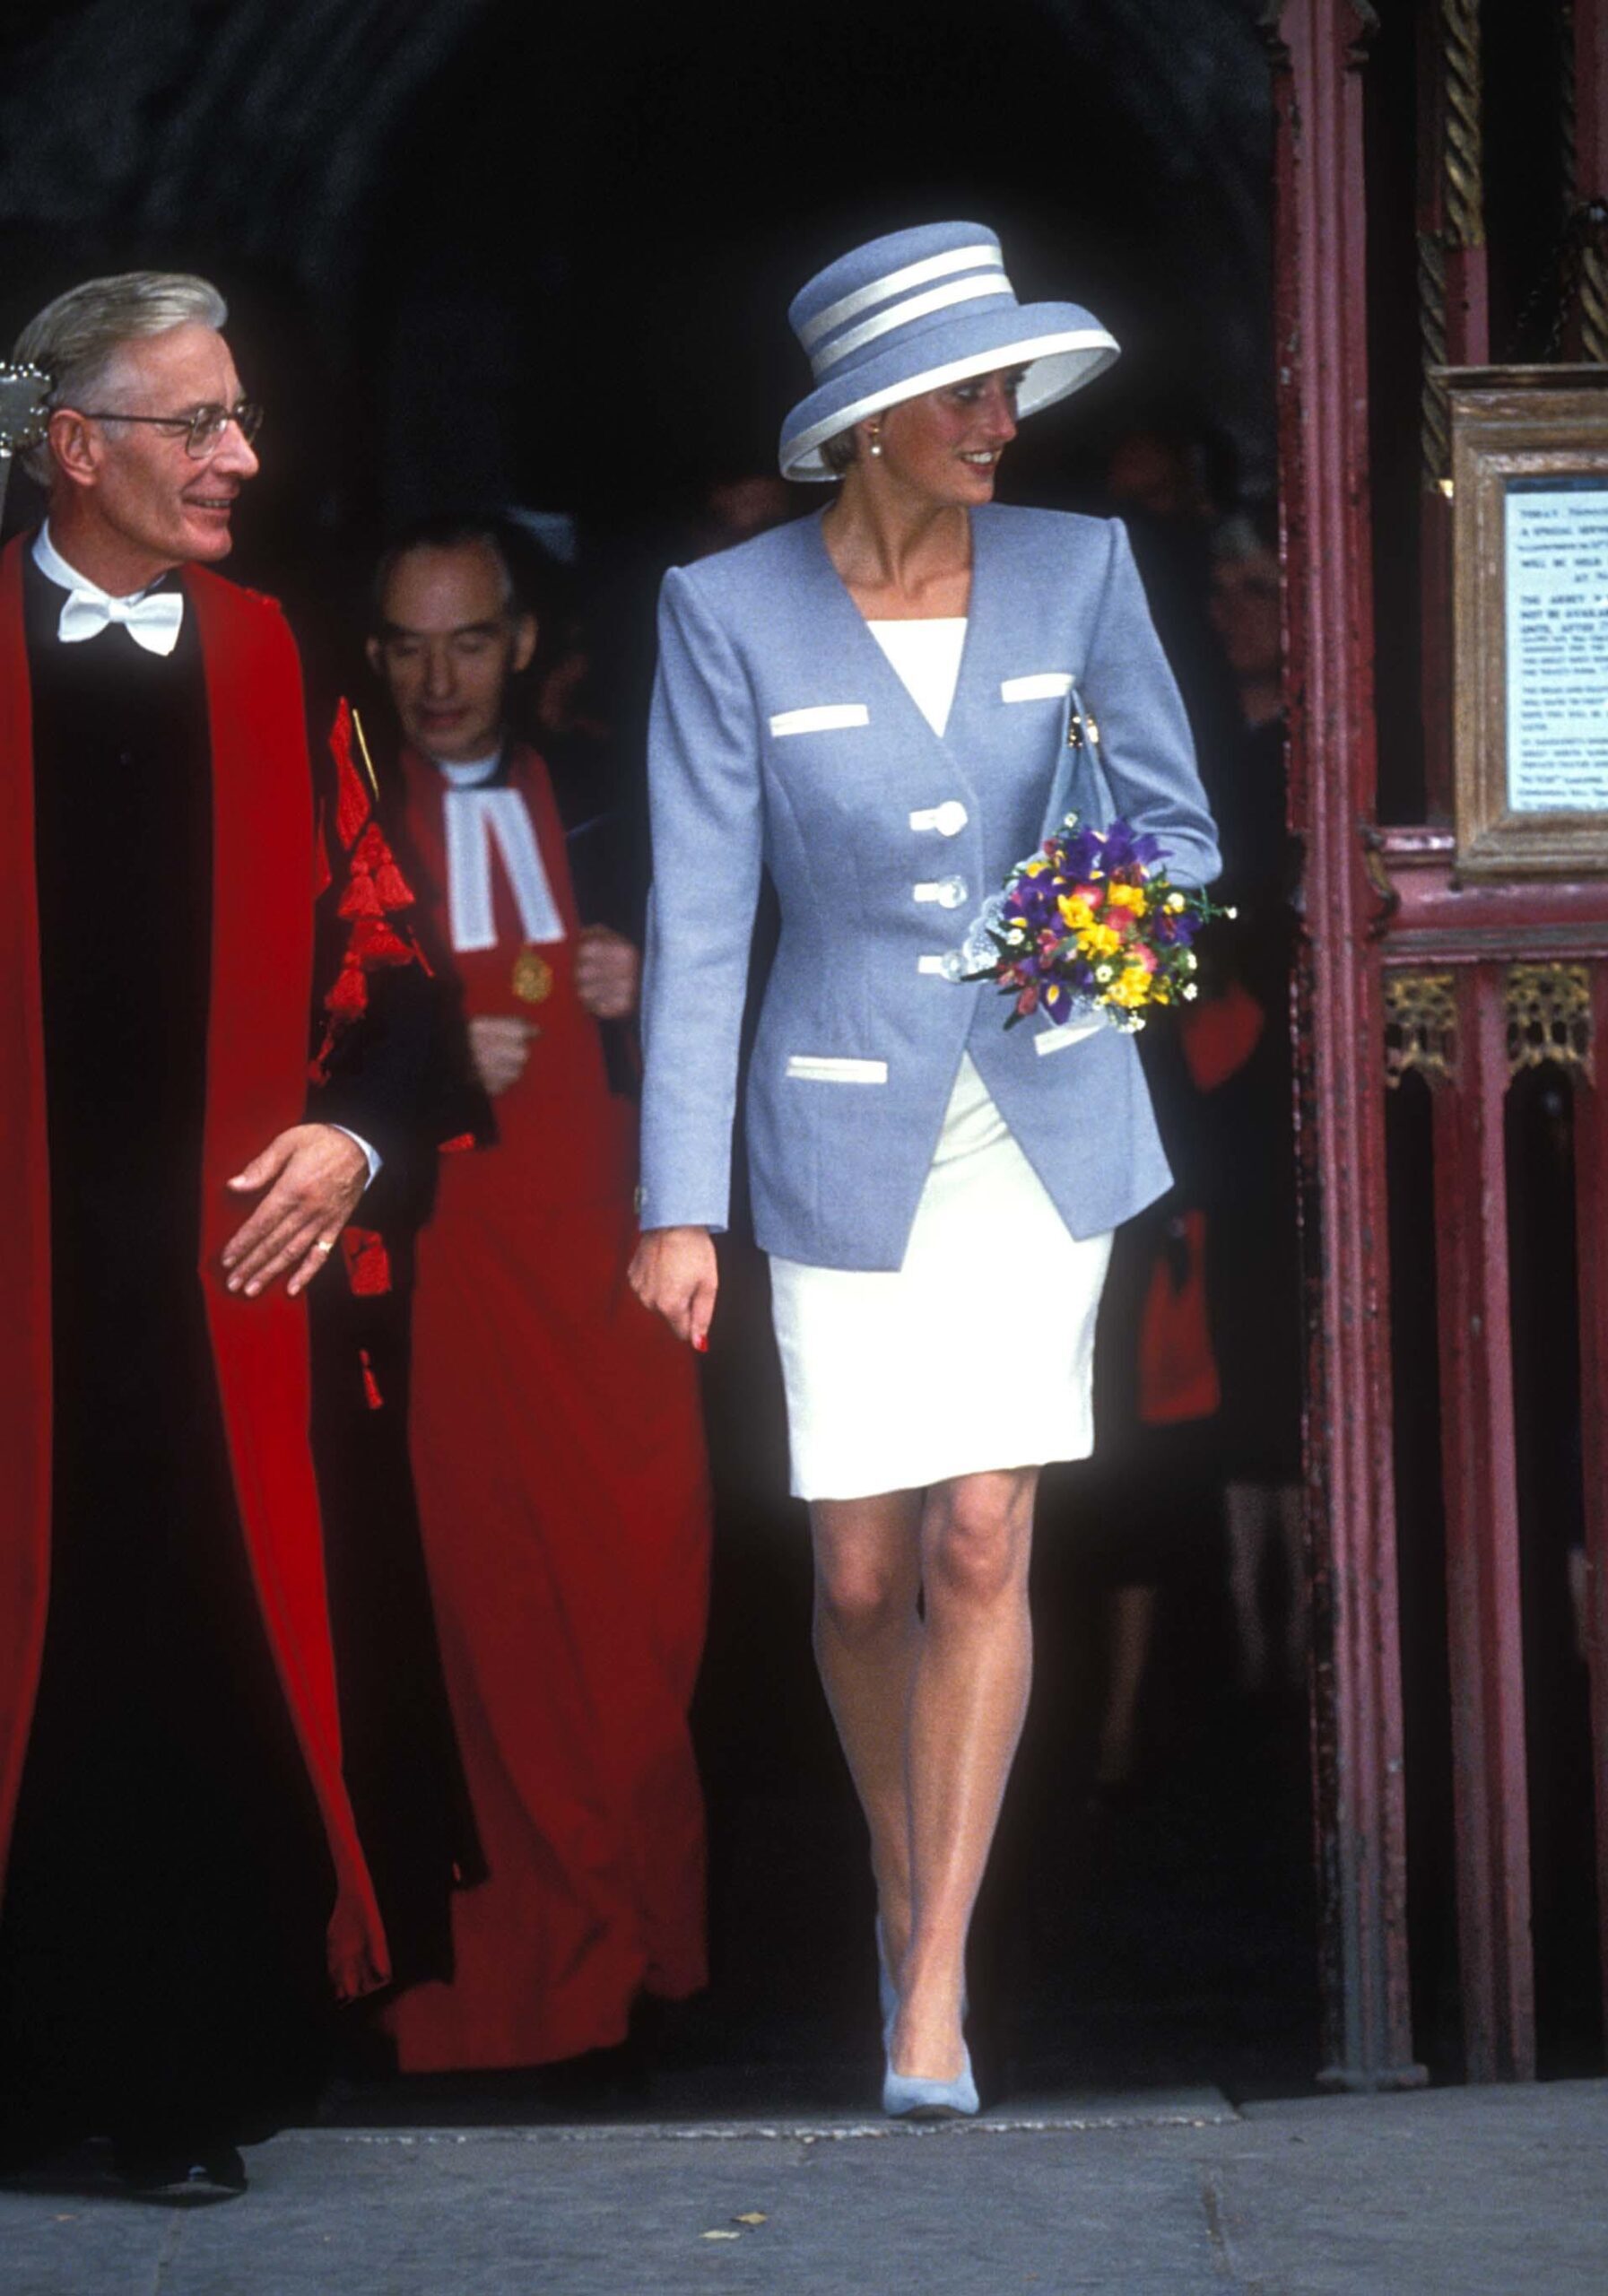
(533, 977)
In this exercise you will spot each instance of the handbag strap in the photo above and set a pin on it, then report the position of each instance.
(1078, 785)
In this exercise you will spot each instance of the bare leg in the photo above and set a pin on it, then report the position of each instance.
(1291, 1528)
(867, 1636)
(968, 1698)
(1132, 1620)
(1248, 1513)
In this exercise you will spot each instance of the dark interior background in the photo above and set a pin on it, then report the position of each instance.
(483, 250)
(486, 251)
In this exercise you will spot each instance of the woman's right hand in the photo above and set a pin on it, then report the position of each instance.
(673, 1272)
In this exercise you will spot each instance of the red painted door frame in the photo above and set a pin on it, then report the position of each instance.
(1372, 906)
(1319, 50)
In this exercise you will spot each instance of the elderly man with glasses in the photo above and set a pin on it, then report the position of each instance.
(186, 1882)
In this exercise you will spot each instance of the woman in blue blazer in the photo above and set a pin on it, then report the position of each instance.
(873, 705)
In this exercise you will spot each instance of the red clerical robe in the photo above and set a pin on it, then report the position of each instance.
(559, 1455)
(256, 1084)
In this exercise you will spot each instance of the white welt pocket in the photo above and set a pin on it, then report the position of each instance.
(1042, 685)
(826, 717)
(825, 1068)
(1056, 1040)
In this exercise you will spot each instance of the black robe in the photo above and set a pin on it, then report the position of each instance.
(163, 1975)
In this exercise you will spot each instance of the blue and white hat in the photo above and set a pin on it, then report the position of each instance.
(917, 310)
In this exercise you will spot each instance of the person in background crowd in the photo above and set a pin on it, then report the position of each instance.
(1200, 1348)
(735, 509)
(1241, 1035)
(556, 1432)
(185, 1881)
(1158, 480)
(1157, 1385)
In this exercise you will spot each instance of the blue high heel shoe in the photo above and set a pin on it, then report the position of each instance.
(906, 2096)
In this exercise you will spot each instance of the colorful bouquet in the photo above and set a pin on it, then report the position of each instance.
(1090, 923)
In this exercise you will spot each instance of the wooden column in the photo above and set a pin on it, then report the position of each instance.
(1454, 331)
(1484, 1637)
(1591, 1166)
(1587, 123)
(1586, 105)
(1321, 318)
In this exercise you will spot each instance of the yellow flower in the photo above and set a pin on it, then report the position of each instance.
(1076, 913)
(1127, 897)
(1175, 903)
(1131, 988)
(1099, 940)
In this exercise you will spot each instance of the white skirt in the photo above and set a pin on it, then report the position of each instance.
(977, 1354)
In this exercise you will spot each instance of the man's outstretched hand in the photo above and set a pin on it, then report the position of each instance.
(313, 1176)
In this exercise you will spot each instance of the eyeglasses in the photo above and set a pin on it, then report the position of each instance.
(201, 429)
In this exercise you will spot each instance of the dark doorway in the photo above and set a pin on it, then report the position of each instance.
(548, 262)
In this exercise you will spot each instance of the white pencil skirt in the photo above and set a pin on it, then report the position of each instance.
(977, 1354)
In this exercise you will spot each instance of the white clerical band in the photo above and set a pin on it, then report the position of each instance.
(916, 307)
(477, 819)
(896, 282)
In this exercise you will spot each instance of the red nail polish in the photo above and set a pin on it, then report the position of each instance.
(702, 1343)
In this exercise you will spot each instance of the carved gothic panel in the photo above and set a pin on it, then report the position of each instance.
(1421, 1026)
(1548, 1015)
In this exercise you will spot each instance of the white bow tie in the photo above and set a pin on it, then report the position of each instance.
(152, 620)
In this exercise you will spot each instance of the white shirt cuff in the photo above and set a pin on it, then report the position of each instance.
(373, 1154)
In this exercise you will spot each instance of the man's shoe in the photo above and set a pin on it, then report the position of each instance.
(176, 2172)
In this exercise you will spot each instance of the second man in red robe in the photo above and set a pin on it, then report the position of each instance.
(557, 1440)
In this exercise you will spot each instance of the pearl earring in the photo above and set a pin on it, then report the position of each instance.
(876, 444)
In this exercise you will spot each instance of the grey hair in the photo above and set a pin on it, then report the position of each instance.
(76, 339)
(842, 453)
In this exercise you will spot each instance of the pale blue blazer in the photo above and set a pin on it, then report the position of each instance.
(782, 739)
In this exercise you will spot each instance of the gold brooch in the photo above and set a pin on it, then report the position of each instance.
(533, 977)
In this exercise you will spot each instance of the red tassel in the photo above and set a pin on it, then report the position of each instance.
(362, 897)
(368, 1261)
(350, 994)
(374, 888)
(352, 803)
(391, 885)
(373, 942)
(372, 1395)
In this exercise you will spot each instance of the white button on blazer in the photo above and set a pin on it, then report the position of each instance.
(783, 741)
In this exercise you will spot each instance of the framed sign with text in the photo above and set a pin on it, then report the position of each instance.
(1530, 619)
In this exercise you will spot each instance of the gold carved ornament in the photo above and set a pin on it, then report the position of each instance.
(1548, 1015)
(1421, 1026)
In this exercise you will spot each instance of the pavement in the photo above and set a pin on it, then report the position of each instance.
(1450, 2192)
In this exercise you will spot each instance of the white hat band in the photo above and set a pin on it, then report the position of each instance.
(913, 275)
(916, 307)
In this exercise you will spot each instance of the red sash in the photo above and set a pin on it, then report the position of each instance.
(261, 987)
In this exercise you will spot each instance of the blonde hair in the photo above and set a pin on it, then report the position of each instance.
(76, 338)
